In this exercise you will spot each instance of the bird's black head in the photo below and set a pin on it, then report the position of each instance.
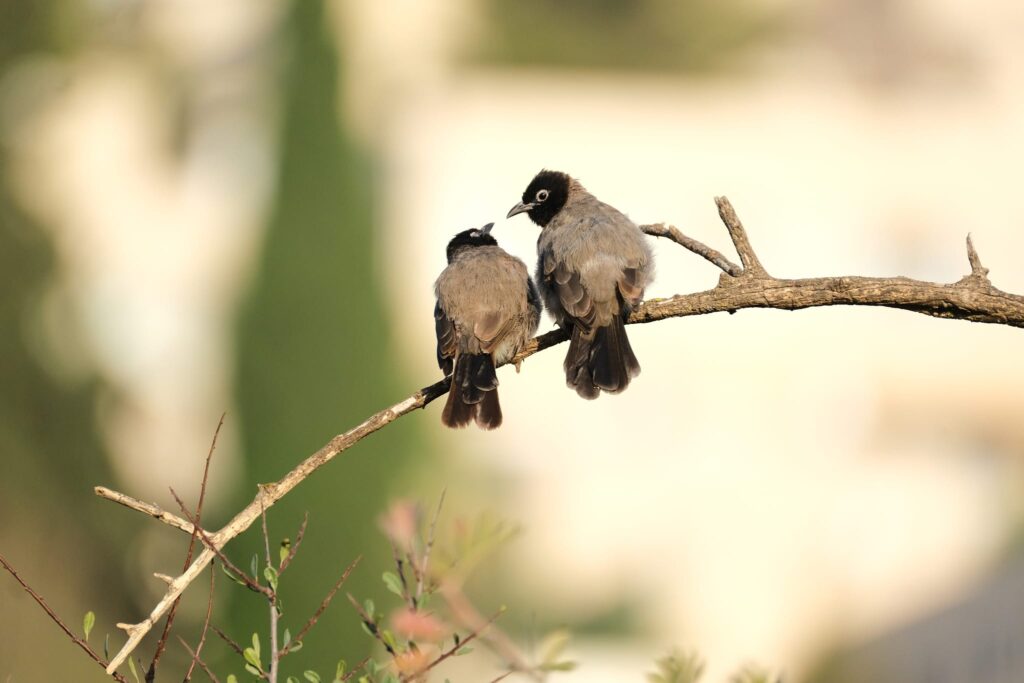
(544, 197)
(470, 239)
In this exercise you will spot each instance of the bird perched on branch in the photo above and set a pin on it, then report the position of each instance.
(593, 265)
(487, 309)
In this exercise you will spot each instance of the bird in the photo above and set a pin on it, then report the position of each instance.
(487, 309)
(593, 264)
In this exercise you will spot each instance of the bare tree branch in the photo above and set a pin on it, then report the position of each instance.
(206, 627)
(154, 511)
(161, 644)
(196, 658)
(971, 298)
(80, 642)
(311, 622)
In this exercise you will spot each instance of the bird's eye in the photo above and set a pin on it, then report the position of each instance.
(542, 195)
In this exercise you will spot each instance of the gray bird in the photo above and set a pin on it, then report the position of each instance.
(487, 309)
(592, 268)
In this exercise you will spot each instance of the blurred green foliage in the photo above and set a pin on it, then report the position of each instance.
(313, 355)
(50, 449)
(695, 36)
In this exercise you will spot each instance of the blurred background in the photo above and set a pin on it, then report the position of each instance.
(241, 207)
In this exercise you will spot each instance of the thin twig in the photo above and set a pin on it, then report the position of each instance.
(80, 642)
(271, 599)
(161, 644)
(235, 646)
(467, 615)
(206, 626)
(456, 647)
(154, 511)
(975, 300)
(229, 640)
(673, 233)
(751, 264)
(195, 658)
(400, 567)
(356, 669)
(311, 622)
(429, 546)
(251, 583)
(371, 624)
(295, 546)
(503, 676)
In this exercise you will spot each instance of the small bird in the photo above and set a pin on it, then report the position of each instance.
(592, 268)
(487, 309)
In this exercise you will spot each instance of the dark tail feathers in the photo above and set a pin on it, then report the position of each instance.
(600, 360)
(473, 394)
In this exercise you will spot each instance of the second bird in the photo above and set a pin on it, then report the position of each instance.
(487, 309)
(593, 266)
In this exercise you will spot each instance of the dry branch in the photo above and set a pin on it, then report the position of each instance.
(750, 286)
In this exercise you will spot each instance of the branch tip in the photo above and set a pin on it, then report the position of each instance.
(751, 263)
(977, 269)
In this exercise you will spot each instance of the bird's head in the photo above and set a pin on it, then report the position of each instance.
(544, 197)
(471, 239)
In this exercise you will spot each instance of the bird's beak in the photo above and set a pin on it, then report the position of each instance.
(520, 208)
(486, 230)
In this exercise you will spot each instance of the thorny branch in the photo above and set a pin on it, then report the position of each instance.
(750, 286)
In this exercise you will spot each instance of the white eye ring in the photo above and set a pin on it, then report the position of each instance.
(542, 195)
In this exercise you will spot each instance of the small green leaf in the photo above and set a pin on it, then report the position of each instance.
(131, 667)
(285, 549)
(88, 622)
(559, 666)
(393, 583)
(339, 673)
(271, 576)
(256, 643)
(463, 651)
(366, 629)
(311, 676)
(369, 607)
(253, 670)
(252, 657)
(254, 565)
(106, 647)
(296, 646)
(232, 678)
(389, 638)
(287, 638)
(231, 575)
(292, 678)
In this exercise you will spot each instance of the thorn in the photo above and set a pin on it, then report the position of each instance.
(163, 577)
(128, 628)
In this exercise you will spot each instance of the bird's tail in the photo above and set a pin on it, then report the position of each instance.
(474, 393)
(600, 359)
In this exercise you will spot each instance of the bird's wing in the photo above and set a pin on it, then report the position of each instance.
(566, 284)
(447, 344)
(631, 287)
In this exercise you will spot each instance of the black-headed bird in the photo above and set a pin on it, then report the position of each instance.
(593, 266)
(487, 309)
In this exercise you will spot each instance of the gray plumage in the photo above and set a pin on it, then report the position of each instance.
(593, 266)
(487, 309)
